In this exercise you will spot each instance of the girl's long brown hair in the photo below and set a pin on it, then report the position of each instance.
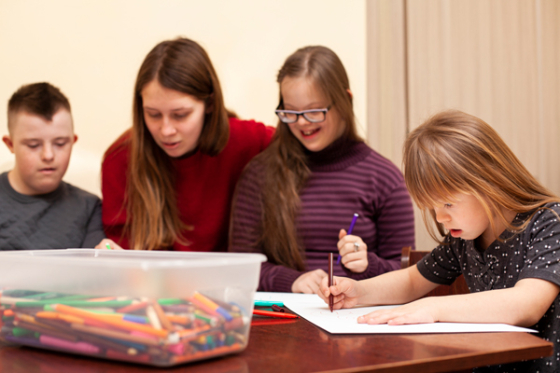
(454, 152)
(152, 214)
(286, 171)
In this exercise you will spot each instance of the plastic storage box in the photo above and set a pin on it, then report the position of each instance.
(156, 308)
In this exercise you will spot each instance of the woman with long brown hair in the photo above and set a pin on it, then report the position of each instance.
(167, 182)
(294, 198)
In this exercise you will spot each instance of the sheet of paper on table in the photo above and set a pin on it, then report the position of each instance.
(313, 309)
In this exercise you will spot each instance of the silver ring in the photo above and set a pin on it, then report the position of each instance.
(356, 246)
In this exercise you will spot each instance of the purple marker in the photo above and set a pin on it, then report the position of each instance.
(349, 232)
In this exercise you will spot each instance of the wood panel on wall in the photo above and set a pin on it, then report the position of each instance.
(496, 59)
(386, 77)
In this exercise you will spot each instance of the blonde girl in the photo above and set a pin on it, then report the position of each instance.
(500, 229)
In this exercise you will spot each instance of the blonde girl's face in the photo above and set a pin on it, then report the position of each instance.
(301, 93)
(174, 119)
(464, 216)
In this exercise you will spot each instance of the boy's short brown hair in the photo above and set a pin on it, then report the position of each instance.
(42, 99)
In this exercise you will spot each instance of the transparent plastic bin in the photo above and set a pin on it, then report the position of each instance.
(155, 308)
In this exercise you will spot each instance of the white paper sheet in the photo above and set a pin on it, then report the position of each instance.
(316, 311)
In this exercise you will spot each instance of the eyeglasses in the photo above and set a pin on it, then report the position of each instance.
(312, 115)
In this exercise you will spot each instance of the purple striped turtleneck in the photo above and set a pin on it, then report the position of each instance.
(346, 178)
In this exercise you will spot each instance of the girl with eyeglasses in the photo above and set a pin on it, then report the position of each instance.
(168, 181)
(293, 199)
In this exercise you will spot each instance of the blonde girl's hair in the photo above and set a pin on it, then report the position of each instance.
(182, 65)
(457, 153)
(286, 171)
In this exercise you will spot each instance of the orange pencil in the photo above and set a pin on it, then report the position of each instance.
(162, 318)
(115, 334)
(132, 307)
(121, 324)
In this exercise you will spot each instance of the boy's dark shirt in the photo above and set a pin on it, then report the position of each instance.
(68, 217)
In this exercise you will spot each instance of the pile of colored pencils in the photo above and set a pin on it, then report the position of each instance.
(162, 332)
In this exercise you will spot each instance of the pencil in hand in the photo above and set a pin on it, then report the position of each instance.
(331, 300)
(354, 218)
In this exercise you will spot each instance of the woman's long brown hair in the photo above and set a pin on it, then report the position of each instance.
(152, 214)
(457, 153)
(286, 171)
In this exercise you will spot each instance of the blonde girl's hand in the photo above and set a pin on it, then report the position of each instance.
(107, 244)
(353, 251)
(422, 311)
(309, 282)
(346, 292)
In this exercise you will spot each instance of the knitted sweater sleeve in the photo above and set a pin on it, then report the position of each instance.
(394, 219)
(246, 228)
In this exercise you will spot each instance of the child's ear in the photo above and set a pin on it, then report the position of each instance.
(9, 143)
(75, 138)
(349, 93)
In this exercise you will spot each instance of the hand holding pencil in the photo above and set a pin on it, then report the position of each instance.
(352, 250)
(345, 292)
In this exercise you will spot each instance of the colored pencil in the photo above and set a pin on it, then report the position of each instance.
(275, 314)
(331, 298)
(348, 233)
(268, 303)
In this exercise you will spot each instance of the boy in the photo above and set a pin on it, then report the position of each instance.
(37, 209)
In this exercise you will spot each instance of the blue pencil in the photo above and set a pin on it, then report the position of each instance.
(349, 232)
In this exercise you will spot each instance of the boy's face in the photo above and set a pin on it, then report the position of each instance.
(42, 151)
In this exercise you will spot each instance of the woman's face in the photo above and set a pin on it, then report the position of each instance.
(174, 119)
(302, 94)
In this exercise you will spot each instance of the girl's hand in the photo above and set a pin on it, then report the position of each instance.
(422, 311)
(309, 282)
(107, 244)
(353, 251)
(346, 292)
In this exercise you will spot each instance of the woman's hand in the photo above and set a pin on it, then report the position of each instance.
(346, 292)
(107, 244)
(309, 282)
(422, 311)
(353, 251)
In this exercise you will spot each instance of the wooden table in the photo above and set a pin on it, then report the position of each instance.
(292, 346)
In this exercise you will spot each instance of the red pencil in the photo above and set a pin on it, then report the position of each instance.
(275, 314)
(331, 300)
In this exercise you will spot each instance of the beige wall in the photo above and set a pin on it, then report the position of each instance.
(496, 59)
(92, 51)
